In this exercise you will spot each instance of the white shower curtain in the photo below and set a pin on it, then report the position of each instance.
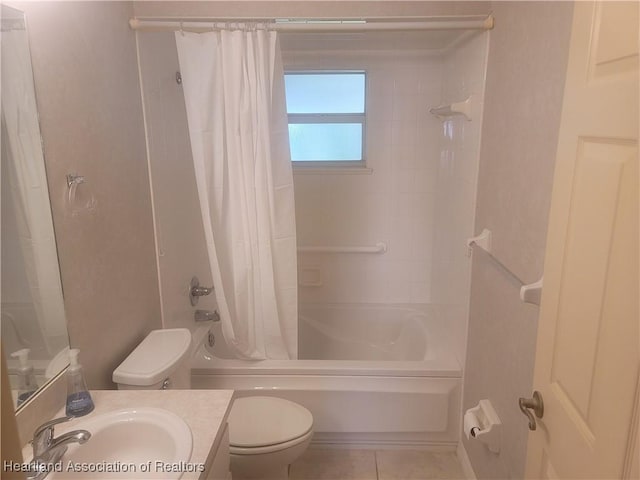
(234, 91)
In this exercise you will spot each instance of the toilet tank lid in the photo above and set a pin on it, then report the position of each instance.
(155, 358)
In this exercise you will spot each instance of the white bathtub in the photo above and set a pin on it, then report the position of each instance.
(371, 375)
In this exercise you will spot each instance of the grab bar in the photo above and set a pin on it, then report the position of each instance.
(379, 247)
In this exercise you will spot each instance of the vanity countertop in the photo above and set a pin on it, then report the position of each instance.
(205, 411)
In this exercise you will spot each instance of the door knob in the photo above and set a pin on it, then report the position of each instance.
(536, 404)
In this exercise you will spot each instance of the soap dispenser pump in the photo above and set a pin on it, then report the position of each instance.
(27, 381)
(79, 401)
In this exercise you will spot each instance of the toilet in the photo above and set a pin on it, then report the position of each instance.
(266, 434)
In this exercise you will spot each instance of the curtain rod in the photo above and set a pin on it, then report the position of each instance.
(328, 25)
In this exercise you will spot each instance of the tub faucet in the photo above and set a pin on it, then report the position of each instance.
(48, 449)
(206, 315)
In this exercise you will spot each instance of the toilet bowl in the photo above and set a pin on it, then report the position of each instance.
(266, 435)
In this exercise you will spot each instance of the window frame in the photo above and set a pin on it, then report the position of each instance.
(332, 118)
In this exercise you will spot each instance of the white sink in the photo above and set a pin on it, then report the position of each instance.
(127, 440)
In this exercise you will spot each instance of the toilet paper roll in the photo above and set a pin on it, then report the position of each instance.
(471, 424)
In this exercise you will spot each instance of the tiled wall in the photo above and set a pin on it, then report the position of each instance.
(464, 69)
(393, 204)
(181, 244)
(525, 80)
(85, 70)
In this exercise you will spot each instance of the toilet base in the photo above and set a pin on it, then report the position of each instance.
(267, 466)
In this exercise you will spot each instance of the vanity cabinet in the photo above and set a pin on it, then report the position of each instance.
(217, 467)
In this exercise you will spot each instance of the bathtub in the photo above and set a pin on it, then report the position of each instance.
(372, 375)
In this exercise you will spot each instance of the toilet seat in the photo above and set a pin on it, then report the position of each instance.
(259, 425)
(270, 448)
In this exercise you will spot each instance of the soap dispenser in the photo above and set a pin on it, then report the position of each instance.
(79, 401)
(26, 379)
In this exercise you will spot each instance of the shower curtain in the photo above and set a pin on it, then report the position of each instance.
(233, 85)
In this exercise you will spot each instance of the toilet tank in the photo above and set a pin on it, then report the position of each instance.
(161, 361)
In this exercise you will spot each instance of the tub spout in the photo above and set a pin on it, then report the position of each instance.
(206, 315)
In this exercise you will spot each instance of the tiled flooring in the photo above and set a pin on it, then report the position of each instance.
(338, 464)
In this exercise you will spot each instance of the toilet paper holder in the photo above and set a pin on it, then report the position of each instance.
(482, 423)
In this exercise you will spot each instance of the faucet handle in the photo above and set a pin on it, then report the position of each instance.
(196, 291)
(44, 434)
(49, 425)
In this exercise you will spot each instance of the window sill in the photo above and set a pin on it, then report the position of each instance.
(332, 170)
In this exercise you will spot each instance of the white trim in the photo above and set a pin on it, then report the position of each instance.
(379, 247)
(465, 462)
(391, 441)
(332, 170)
(154, 216)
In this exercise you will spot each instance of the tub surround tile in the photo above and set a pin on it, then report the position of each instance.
(335, 464)
(417, 465)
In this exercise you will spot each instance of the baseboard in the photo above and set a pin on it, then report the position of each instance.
(465, 462)
(385, 442)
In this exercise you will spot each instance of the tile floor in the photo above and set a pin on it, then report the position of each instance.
(339, 464)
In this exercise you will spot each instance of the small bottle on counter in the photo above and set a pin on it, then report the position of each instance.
(79, 401)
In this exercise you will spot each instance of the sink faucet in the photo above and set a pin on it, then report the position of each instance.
(48, 449)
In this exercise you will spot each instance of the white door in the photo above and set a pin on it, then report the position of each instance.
(588, 356)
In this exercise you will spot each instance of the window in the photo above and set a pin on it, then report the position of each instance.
(326, 117)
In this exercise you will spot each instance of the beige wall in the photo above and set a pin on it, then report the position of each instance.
(85, 70)
(309, 8)
(525, 80)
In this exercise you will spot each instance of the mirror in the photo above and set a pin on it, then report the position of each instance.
(34, 331)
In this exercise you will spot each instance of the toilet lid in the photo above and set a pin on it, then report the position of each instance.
(262, 421)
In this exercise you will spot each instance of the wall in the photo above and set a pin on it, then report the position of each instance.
(308, 8)
(84, 62)
(525, 79)
(393, 204)
(181, 243)
(464, 70)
